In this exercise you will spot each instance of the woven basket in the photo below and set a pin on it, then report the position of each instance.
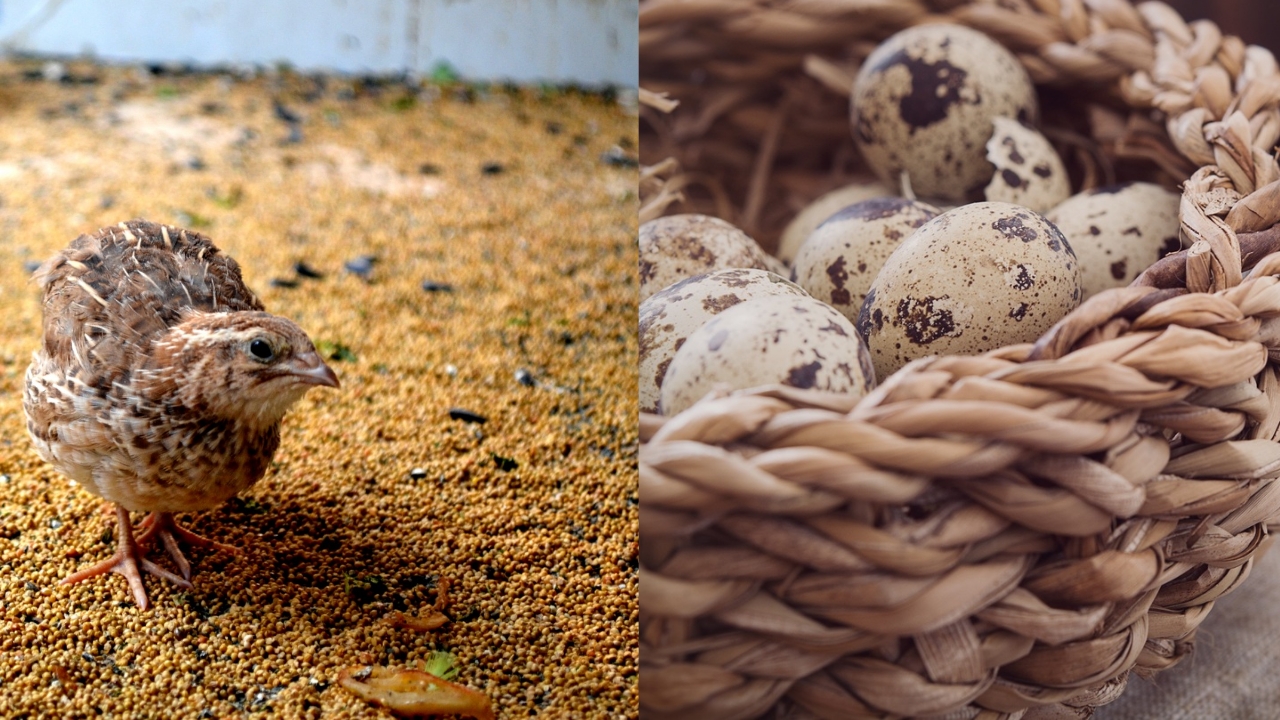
(1000, 536)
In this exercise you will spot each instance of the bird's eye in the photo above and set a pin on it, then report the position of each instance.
(261, 350)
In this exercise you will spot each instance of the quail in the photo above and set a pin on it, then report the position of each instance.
(159, 384)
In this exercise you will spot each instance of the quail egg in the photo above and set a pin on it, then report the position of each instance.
(796, 341)
(794, 235)
(1028, 171)
(1118, 231)
(923, 104)
(973, 279)
(670, 315)
(843, 255)
(676, 247)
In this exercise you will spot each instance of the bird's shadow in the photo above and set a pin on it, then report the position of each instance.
(290, 543)
(292, 547)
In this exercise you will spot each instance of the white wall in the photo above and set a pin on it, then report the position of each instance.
(591, 42)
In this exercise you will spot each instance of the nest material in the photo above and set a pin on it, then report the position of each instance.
(1000, 536)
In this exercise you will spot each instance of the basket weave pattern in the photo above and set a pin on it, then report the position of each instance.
(994, 536)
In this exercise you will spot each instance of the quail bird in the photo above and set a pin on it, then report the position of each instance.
(160, 384)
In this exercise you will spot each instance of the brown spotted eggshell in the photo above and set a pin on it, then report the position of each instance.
(676, 247)
(844, 254)
(1119, 231)
(1028, 170)
(923, 104)
(795, 341)
(668, 317)
(816, 212)
(973, 279)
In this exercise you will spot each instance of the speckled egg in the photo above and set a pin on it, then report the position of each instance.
(796, 341)
(923, 104)
(676, 247)
(670, 315)
(1118, 231)
(797, 231)
(973, 279)
(1028, 171)
(844, 254)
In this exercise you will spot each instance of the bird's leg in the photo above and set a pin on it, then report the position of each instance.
(127, 561)
(162, 525)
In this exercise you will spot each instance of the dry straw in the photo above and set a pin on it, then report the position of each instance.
(1000, 536)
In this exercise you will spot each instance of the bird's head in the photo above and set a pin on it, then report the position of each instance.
(245, 366)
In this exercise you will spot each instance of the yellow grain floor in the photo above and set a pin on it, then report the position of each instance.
(530, 517)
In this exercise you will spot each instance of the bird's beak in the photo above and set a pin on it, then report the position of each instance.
(309, 369)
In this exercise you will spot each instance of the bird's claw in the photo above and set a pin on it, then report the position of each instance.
(129, 560)
(164, 526)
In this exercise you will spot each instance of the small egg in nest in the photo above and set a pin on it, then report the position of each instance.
(923, 104)
(1118, 231)
(1028, 170)
(676, 247)
(816, 212)
(669, 316)
(794, 341)
(842, 257)
(973, 279)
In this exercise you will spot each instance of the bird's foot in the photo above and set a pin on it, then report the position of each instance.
(164, 526)
(128, 561)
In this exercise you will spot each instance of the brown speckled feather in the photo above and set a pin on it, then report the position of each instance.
(117, 289)
(144, 390)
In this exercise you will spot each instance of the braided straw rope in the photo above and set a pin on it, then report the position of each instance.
(1001, 536)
